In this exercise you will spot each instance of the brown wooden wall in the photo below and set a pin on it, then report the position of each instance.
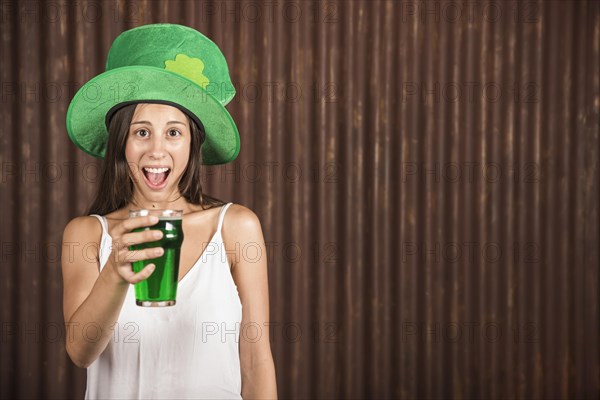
(426, 174)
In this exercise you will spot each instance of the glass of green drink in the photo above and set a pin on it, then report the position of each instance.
(160, 289)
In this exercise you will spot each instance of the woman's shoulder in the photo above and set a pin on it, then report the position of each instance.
(240, 217)
(85, 227)
(82, 222)
(235, 214)
(241, 225)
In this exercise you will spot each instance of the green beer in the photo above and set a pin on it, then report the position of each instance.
(160, 289)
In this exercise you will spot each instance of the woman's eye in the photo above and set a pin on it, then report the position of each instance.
(174, 133)
(141, 132)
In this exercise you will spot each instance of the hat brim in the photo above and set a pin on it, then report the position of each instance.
(86, 114)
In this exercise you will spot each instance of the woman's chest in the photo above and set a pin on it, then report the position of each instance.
(195, 248)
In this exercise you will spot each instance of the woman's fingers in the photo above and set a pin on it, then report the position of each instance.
(126, 269)
(144, 254)
(134, 278)
(130, 224)
(132, 238)
(123, 238)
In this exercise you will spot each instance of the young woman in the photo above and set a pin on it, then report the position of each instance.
(214, 343)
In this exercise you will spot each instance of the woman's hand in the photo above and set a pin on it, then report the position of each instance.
(121, 257)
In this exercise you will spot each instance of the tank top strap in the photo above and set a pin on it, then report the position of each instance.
(222, 216)
(105, 245)
(102, 222)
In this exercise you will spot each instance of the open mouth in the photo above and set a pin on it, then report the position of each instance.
(156, 178)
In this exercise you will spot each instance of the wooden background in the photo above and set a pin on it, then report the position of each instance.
(426, 174)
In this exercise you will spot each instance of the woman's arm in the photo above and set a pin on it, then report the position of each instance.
(92, 300)
(258, 370)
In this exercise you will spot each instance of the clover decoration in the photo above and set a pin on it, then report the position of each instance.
(189, 67)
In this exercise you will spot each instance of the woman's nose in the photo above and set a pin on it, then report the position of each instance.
(157, 147)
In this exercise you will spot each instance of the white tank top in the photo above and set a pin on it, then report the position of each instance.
(190, 350)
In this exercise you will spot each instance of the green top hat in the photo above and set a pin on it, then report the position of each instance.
(164, 63)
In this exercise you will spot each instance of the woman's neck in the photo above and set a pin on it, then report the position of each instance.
(178, 203)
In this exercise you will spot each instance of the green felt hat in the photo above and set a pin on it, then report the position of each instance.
(160, 63)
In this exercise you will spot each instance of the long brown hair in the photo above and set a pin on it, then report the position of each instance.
(116, 187)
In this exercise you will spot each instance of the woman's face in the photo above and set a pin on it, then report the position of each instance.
(157, 150)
